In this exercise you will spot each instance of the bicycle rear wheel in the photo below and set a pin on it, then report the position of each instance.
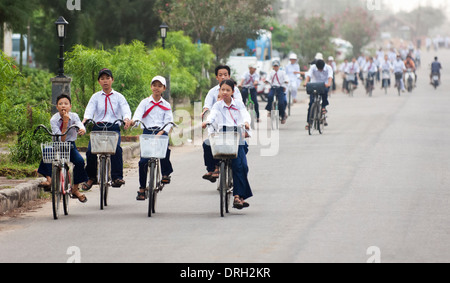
(66, 191)
(56, 191)
(321, 121)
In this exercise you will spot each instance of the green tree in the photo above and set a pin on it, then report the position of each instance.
(357, 26)
(224, 24)
(312, 35)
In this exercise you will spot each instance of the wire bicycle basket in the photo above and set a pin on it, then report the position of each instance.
(56, 151)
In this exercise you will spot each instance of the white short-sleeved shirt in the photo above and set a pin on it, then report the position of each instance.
(229, 116)
(103, 109)
(213, 94)
(56, 124)
(320, 76)
(158, 116)
(278, 79)
(250, 79)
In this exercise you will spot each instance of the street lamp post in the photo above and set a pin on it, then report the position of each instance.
(61, 29)
(61, 83)
(164, 28)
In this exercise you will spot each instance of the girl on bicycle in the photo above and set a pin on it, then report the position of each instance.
(60, 122)
(154, 112)
(232, 113)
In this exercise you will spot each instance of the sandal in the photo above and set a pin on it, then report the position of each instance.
(118, 183)
(208, 176)
(86, 187)
(141, 196)
(238, 203)
(215, 174)
(81, 198)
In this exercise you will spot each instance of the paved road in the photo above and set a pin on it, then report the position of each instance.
(374, 187)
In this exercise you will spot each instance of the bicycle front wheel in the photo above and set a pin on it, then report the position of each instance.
(103, 183)
(151, 188)
(56, 191)
(223, 189)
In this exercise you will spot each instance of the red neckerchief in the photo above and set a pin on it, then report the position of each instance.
(276, 75)
(231, 107)
(107, 98)
(154, 105)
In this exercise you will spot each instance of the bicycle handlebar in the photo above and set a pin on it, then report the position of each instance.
(102, 124)
(158, 129)
(54, 135)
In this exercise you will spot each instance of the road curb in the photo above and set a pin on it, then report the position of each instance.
(16, 197)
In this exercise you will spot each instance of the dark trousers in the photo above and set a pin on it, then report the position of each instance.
(116, 160)
(254, 96)
(210, 162)
(79, 174)
(241, 186)
(282, 102)
(166, 165)
(325, 102)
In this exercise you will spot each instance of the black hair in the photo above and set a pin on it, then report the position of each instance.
(220, 67)
(64, 95)
(231, 83)
(320, 64)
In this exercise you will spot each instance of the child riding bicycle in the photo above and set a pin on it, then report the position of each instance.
(105, 107)
(154, 112)
(230, 113)
(320, 72)
(60, 122)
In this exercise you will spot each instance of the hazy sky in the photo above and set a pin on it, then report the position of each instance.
(408, 5)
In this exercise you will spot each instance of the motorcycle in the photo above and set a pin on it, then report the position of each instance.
(435, 77)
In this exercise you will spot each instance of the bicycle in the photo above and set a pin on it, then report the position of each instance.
(154, 148)
(317, 117)
(104, 145)
(251, 108)
(370, 83)
(398, 78)
(224, 147)
(58, 154)
(275, 117)
(351, 80)
(385, 82)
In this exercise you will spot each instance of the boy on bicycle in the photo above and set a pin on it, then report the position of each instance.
(222, 72)
(154, 112)
(320, 72)
(60, 122)
(104, 108)
(278, 80)
(249, 83)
